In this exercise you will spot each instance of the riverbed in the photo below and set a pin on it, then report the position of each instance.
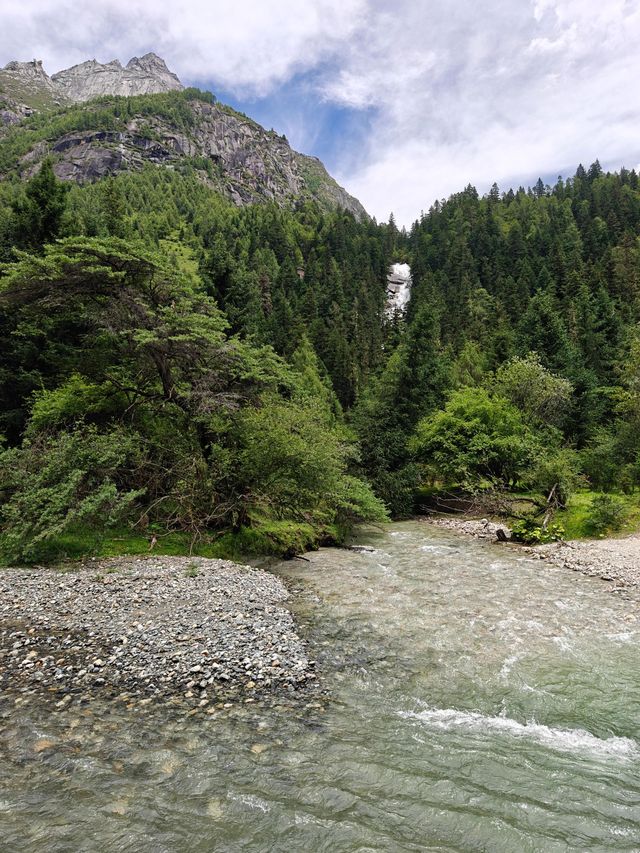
(475, 700)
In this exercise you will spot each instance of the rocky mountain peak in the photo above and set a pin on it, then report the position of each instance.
(27, 83)
(150, 62)
(144, 75)
(31, 73)
(232, 153)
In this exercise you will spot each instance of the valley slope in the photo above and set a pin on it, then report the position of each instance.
(96, 120)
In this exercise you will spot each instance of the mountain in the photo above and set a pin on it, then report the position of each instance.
(25, 88)
(144, 115)
(29, 83)
(141, 76)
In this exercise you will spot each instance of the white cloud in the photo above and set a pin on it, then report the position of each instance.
(242, 44)
(459, 92)
(512, 89)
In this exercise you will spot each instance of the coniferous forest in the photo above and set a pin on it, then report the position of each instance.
(177, 369)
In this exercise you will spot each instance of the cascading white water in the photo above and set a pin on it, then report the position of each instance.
(398, 288)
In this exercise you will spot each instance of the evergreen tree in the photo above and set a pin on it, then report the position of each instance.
(38, 214)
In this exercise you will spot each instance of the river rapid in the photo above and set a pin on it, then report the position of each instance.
(477, 700)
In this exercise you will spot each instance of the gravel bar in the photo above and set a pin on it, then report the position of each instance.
(613, 560)
(187, 630)
(616, 560)
(479, 528)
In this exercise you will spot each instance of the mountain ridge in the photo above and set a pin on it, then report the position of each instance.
(79, 122)
(144, 75)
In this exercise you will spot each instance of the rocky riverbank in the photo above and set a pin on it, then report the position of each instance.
(614, 560)
(184, 630)
(480, 528)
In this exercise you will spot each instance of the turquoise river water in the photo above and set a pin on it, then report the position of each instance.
(476, 700)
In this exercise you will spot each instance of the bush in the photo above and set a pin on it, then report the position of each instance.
(559, 468)
(606, 513)
(530, 532)
(56, 484)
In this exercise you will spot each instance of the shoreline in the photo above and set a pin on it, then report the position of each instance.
(615, 560)
(196, 633)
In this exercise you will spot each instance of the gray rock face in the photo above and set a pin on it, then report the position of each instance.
(238, 157)
(31, 73)
(233, 154)
(12, 113)
(141, 76)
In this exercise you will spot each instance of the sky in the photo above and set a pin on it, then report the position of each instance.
(405, 101)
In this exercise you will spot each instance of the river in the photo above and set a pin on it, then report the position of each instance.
(477, 701)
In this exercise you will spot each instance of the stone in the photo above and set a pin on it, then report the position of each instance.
(83, 655)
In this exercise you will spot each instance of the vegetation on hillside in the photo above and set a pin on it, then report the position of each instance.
(174, 366)
(128, 397)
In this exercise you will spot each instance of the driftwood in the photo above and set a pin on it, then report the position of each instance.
(552, 505)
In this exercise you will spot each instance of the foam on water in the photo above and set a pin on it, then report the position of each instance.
(509, 663)
(624, 637)
(437, 549)
(565, 740)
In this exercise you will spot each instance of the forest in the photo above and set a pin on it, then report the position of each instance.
(178, 372)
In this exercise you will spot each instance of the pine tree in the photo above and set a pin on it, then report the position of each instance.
(38, 214)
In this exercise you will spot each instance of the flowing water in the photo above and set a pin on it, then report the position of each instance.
(398, 288)
(478, 701)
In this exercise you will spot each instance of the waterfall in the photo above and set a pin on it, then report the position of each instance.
(398, 288)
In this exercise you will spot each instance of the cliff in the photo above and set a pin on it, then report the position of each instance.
(160, 123)
(141, 76)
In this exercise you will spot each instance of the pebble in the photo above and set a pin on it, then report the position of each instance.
(150, 633)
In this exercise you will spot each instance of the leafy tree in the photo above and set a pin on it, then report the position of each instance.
(600, 461)
(542, 397)
(475, 437)
(58, 484)
(555, 472)
(226, 433)
(292, 465)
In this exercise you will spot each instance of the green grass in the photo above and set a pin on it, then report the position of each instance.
(574, 518)
(117, 543)
(265, 538)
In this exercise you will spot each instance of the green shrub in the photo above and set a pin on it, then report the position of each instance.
(606, 513)
(530, 532)
(56, 484)
(559, 468)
